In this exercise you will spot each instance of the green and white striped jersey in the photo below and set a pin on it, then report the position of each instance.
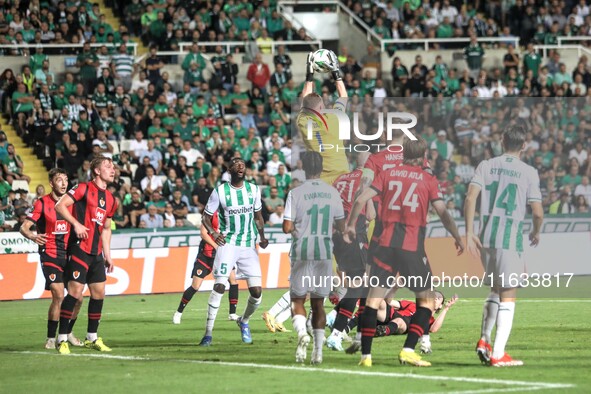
(507, 185)
(123, 64)
(313, 207)
(236, 207)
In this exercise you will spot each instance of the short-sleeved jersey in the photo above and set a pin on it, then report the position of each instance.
(384, 160)
(313, 207)
(507, 186)
(347, 185)
(236, 207)
(92, 207)
(206, 248)
(325, 132)
(406, 192)
(53, 225)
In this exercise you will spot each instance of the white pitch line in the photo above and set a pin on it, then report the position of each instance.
(527, 385)
(499, 390)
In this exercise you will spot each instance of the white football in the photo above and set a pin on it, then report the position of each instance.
(321, 60)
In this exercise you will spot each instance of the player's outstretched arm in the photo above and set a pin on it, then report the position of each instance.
(449, 224)
(337, 74)
(309, 84)
(472, 242)
(439, 321)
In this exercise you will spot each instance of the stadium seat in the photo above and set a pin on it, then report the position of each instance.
(124, 147)
(115, 146)
(17, 185)
(163, 178)
(126, 180)
(195, 219)
(133, 168)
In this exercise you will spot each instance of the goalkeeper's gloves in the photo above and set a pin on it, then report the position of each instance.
(309, 68)
(335, 71)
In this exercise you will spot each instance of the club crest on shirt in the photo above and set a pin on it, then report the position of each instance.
(199, 272)
(61, 227)
(99, 216)
(76, 274)
(52, 277)
(102, 202)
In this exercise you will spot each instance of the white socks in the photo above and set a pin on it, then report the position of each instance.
(251, 306)
(215, 299)
(91, 336)
(62, 338)
(504, 324)
(283, 316)
(281, 305)
(299, 324)
(489, 315)
(318, 339)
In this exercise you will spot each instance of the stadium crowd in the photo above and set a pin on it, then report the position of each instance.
(171, 138)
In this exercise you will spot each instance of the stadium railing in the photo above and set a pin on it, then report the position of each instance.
(427, 41)
(581, 50)
(563, 40)
(70, 47)
(229, 45)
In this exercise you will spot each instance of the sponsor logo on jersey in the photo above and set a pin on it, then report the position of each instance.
(76, 274)
(99, 216)
(52, 277)
(61, 227)
(240, 211)
(73, 190)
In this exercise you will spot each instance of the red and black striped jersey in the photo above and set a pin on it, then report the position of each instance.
(53, 225)
(407, 308)
(348, 185)
(406, 192)
(92, 207)
(206, 248)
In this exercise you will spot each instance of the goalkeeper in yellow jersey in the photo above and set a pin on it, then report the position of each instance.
(324, 134)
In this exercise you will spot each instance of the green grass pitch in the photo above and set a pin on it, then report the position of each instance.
(151, 355)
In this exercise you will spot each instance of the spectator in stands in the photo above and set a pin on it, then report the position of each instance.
(151, 182)
(444, 147)
(561, 206)
(276, 218)
(273, 200)
(152, 219)
(584, 189)
(474, 56)
(138, 145)
(258, 73)
(13, 165)
(135, 208)
(180, 208)
(154, 155)
(201, 193)
(190, 153)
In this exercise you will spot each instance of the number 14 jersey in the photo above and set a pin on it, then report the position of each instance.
(507, 185)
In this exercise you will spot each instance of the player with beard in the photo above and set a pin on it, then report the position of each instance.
(238, 204)
(52, 237)
(90, 250)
